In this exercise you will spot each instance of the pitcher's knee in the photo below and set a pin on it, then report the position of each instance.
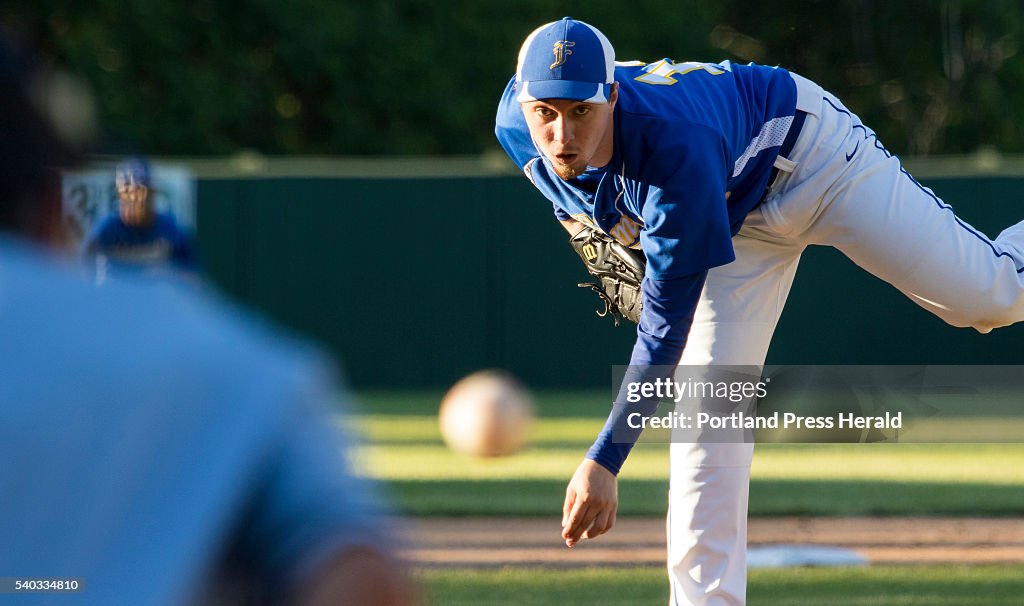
(984, 316)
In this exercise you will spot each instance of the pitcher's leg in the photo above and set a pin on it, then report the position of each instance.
(900, 231)
(707, 521)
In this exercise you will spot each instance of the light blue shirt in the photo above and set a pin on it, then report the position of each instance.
(149, 436)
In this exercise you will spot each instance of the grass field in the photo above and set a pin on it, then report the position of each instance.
(404, 449)
(871, 586)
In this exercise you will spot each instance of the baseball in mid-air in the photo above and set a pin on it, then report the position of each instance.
(487, 414)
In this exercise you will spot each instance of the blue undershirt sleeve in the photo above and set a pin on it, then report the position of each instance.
(669, 307)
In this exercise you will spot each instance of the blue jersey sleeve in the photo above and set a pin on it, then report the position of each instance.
(511, 130)
(669, 307)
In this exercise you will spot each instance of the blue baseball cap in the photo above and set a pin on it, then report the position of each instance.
(133, 170)
(566, 59)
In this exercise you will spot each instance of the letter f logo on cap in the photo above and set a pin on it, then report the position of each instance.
(561, 52)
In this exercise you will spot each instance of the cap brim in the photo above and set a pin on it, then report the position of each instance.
(563, 89)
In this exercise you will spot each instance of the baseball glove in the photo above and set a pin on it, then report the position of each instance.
(618, 269)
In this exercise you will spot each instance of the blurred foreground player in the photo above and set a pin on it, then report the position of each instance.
(158, 446)
(138, 237)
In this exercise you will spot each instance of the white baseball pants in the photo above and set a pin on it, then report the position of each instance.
(841, 188)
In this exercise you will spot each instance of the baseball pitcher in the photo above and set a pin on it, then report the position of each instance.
(712, 178)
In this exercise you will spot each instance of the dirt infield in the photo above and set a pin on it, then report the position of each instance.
(492, 542)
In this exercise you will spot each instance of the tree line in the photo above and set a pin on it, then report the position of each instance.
(415, 77)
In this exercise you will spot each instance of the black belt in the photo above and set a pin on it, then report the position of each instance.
(788, 143)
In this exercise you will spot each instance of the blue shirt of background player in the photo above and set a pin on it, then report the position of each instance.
(140, 247)
(694, 146)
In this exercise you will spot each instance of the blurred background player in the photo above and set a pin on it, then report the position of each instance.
(138, 237)
(158, 445)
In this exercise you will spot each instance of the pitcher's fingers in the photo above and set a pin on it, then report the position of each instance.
(602, 522)
(567, 505)
(573, 518)
(580, 520)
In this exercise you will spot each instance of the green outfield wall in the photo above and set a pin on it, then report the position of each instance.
(415, 274)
